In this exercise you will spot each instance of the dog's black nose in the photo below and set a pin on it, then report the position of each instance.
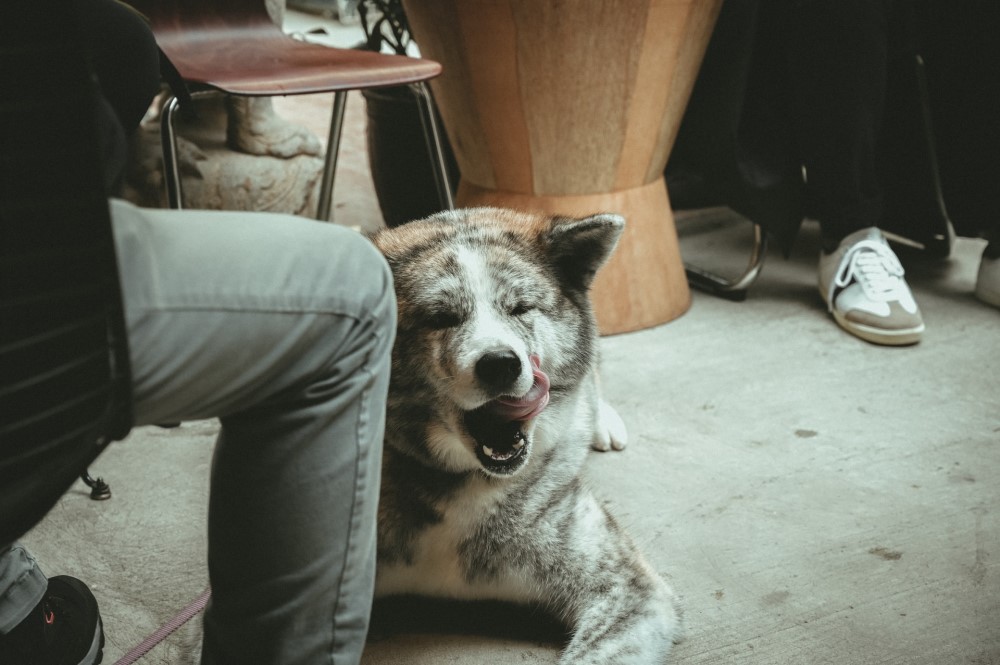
(498, 370)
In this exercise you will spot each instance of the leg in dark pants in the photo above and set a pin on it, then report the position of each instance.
(835, 59)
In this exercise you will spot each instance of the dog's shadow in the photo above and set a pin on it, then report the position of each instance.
(417, 615)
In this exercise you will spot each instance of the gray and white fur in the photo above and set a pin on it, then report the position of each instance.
(473, 505)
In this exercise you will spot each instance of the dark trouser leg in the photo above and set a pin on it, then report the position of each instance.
(836, 63)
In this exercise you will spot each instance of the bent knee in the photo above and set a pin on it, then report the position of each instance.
(352, 266)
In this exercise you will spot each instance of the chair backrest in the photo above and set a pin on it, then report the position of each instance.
(234, 46)
(64, 374)
(189, 30)
(194, 19)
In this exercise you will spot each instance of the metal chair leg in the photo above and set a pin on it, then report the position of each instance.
(99, 490)
(432, 136)
(168, 141)
(325, 205)
(731, 289)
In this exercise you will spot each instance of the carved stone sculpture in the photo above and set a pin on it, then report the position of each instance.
(234, 155)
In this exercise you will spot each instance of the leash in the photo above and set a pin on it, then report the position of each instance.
(161, 633)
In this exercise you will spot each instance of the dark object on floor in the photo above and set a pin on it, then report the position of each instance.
(65, 628)
(65, 386)
(402, 171)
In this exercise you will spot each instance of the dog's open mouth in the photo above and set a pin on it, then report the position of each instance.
(498, 426)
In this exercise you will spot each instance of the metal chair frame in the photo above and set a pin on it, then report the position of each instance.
(735, 289)
(428, 120)
(234, 47)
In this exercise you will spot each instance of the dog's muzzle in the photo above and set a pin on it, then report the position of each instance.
(498, 427)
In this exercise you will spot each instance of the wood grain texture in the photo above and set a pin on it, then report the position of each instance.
(235, 47)
(577, 74)
(573, 109)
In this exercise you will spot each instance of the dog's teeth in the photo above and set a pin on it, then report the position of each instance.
(518, 445)
(487, 451)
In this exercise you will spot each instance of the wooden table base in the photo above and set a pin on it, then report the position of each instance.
(572, 108)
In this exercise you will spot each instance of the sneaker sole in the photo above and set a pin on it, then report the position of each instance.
(987, 296)
(96, 652)
(881, 336)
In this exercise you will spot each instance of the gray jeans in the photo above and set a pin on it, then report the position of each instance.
(282, 328)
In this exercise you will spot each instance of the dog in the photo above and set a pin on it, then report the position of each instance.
(493, 405)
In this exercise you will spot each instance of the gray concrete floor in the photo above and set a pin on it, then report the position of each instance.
(811, 497)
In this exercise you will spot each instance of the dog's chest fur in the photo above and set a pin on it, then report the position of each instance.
(477, 537)
(434, 562)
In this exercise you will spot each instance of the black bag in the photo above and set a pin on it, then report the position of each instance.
(64, 374)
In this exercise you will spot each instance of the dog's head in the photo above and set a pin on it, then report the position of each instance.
(494, 323)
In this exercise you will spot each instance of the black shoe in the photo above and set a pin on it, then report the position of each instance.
(63, 629)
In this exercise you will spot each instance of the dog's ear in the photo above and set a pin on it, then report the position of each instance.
(578, 247)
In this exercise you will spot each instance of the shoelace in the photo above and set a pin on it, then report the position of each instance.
(874, 266)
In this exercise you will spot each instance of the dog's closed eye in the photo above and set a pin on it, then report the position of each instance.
(442, 319)
(521, 308)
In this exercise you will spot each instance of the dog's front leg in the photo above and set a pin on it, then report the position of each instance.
(620, 610)
(634, 624)
(609, 429)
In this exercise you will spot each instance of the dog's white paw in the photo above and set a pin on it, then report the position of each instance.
(610, 433)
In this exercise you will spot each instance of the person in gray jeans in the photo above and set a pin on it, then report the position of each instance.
(279, 326)
(282, 328)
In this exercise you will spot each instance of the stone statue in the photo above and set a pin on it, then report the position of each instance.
(237, 154)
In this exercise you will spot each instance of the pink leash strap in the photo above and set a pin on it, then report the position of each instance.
(161, 633)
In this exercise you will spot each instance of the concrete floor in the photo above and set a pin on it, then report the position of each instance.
(811, 497)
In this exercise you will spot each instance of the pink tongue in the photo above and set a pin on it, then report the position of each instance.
(529, 406)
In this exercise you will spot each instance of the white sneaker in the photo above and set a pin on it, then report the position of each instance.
(988, 281)
(863, 286)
